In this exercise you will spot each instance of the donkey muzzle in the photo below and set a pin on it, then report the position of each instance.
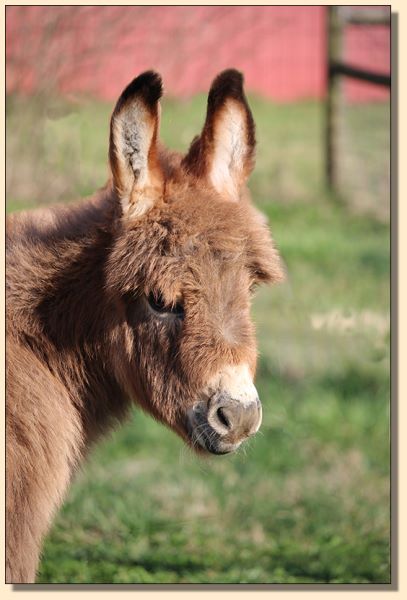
(230, 413)
(233, 418)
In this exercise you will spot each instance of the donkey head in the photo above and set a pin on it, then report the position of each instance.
(189, 249)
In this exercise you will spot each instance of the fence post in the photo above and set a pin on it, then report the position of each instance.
(333, 51)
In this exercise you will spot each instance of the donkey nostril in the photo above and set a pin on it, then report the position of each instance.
(230, 417)
(220, 413)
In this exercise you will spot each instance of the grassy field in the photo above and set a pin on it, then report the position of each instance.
(308, 500)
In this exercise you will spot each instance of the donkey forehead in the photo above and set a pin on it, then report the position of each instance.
(189, 238)
(200, 260)
(197, 220)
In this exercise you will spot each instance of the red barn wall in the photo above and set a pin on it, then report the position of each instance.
(97, 50)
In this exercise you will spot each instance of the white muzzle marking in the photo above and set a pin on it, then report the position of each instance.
(236, 381)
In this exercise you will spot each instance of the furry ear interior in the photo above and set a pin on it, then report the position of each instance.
(224, 152)
(137, 177)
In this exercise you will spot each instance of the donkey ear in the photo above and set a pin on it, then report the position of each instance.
(137, 177)
(224, 152)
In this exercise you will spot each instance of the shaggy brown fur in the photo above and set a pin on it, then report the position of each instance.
(140, 294)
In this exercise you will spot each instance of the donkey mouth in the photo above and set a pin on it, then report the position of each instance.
(204, 437)
(208, 440)
(221, 422)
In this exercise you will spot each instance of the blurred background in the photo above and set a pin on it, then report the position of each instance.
(308, 500)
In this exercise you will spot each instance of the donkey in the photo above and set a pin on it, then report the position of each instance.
(139, 294)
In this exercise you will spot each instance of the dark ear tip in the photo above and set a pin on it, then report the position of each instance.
(228, 83)
(229, 75)
(148, 86)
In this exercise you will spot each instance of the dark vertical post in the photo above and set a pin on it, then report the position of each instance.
(332, 100)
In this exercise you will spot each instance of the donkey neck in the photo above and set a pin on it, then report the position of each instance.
(69, 314)
(73, 305)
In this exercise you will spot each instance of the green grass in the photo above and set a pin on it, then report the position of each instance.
(308, 500)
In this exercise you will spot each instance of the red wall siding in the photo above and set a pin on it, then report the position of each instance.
(97, 50)
(369, 50)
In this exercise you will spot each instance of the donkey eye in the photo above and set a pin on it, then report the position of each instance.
(158, 304)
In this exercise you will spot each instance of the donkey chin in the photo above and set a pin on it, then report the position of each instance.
(228, 412)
